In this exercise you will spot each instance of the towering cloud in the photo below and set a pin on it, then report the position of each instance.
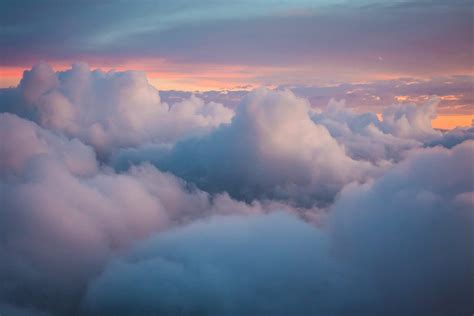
(411, 121)
(363, 135)
(108, 110)
(272, 149)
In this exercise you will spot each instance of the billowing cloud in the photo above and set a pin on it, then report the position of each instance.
(270, 265)
(399, 245)
(454, 137)
(411, 232)
(411, 121)
(108, 110)
(366, 137)
(62, 215)
(278, 147)
(273, 206)
(272, 149)
(363, 135)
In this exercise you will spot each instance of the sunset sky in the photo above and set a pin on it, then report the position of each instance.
(223, 45)
(236, 157)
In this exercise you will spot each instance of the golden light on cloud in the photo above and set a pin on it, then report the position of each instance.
(170, 76)
(452, 121)
(166, 75)
(450, 97)
(402, 98)
(419, 98)
(448, 122)
(10, 76)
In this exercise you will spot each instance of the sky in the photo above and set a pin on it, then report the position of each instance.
(236, 158)
(222, 45)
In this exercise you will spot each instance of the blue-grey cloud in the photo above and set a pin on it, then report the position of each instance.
(411, 231)
(62, 214)
(271, 149)
(455, 93)
(278, 147)
(399, 245)
(226, 266)
(454, 137)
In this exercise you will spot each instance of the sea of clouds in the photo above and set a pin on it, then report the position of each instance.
(113, 202)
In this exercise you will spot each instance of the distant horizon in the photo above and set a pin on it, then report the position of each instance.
(448, 117)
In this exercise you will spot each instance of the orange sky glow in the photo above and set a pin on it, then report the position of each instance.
(204, 77)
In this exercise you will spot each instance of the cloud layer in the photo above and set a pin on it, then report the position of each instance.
(62, 215)
(399, 245)
(115, 202)
(108, 110)
(272, 149)
(278, 147)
